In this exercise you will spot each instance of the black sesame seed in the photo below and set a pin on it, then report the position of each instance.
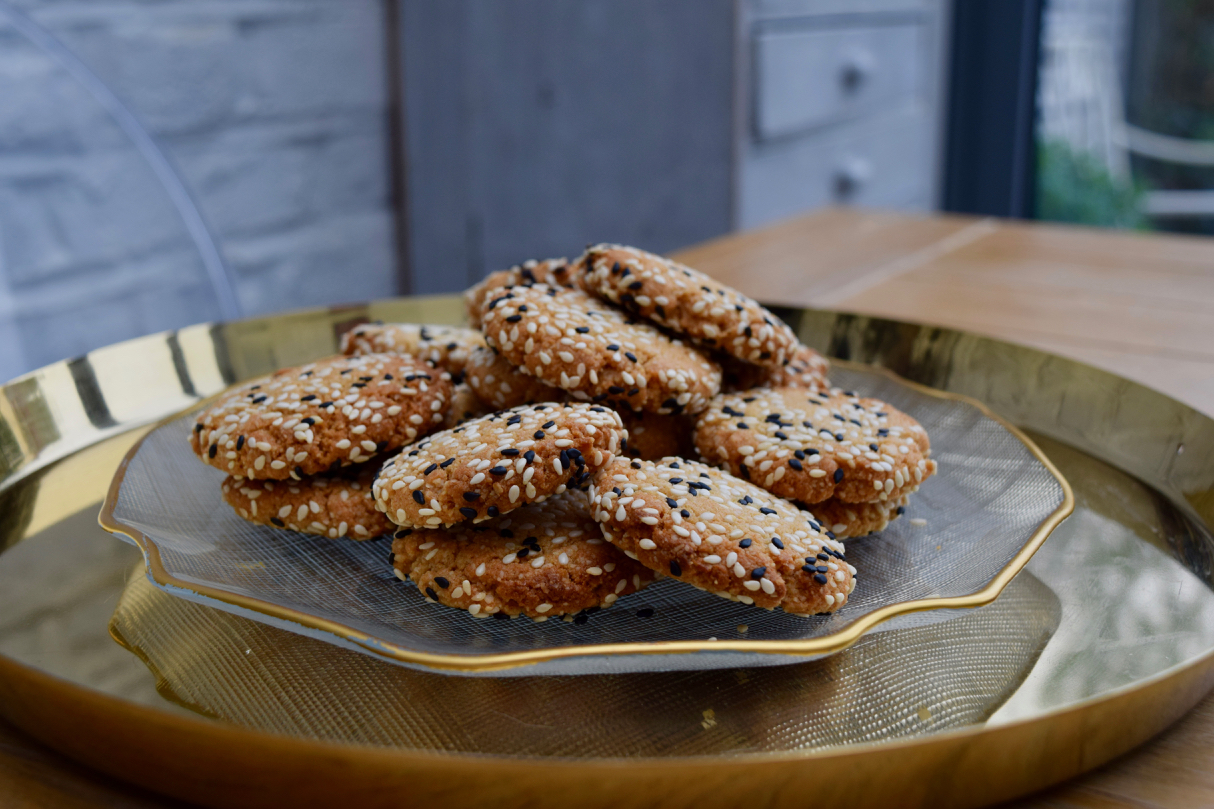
(418, 497)
(901, 509)
(441, 582)
(403, 532)
(278, 522)
(529, 455)
(470, 513)
(197, 428)
(830, 534)
(581, 618)
(615, 390)
(765, 510)
(538, 435)
(214, 448)
(745, 543)
(498, 470)
(472, 496)
(819, 578)
(548, 425)
(742, 426)
(523, 553)
(582, 329)
(613, 347)
(838, 475)
(630, 356)
(430, 469)
(686, 514)
(670, 501)
(636, 464)
(776, 541)
(433, 595)
(758, 572)
(239, 443)
(493, 511)
(824, 556)
(446, 463)
(795, 464)
(675, 570)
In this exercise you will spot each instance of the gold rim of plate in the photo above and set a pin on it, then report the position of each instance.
(820, 646)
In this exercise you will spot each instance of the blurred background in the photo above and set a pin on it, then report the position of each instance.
(165, 162)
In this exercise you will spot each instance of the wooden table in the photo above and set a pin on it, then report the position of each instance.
(1138, 305)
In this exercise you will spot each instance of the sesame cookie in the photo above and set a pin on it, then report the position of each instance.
(499, 384)
(846, 520)
(448, 347)
(814, 445)
(494, 464)
(688, 302)
(557, 272)
(652, 436)
(336, 505)
(568, 339)
(541, 560)
(721, 534)
(807, 369)
(322, 416)
(465, 405)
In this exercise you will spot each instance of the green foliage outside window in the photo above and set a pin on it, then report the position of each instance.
(1075, 187)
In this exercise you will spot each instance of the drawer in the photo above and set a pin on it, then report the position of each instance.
(809, 77)
(886, 161)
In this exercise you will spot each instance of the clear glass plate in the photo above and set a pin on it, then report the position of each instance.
(967, 532)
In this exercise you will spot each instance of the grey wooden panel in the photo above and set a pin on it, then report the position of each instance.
(802, 8)
(811, 77)
(880, 161)
(534, 127)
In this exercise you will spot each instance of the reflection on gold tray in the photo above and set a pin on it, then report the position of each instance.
(888, 685)
(993, 502)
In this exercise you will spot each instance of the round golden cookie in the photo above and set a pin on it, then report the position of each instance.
(465, 405)
(806, 369)
(557, 272)
(541, 560)
(811, 446)
(494, 464)
(846, 520)
(322, 416)
(707, 528)
(500, 385)
(568, 339)
(334, 505)
(652, 436)
(688, 302)
(448, 347)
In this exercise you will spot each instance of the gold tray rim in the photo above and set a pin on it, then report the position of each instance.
(808, 648)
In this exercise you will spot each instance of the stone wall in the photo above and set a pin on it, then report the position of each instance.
(274, 114)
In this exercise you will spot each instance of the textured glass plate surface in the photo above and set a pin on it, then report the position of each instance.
(992, 503)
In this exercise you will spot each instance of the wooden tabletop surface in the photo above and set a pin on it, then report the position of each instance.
(1139, 305)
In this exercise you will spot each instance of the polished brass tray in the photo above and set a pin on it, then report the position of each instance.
(1108, 636)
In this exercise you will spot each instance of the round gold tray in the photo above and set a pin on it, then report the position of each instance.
(1121, 594)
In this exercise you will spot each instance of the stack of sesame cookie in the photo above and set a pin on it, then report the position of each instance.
(548, 462)
(300, 446)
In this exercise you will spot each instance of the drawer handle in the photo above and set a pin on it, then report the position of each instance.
(850, 177)
(856, 68)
